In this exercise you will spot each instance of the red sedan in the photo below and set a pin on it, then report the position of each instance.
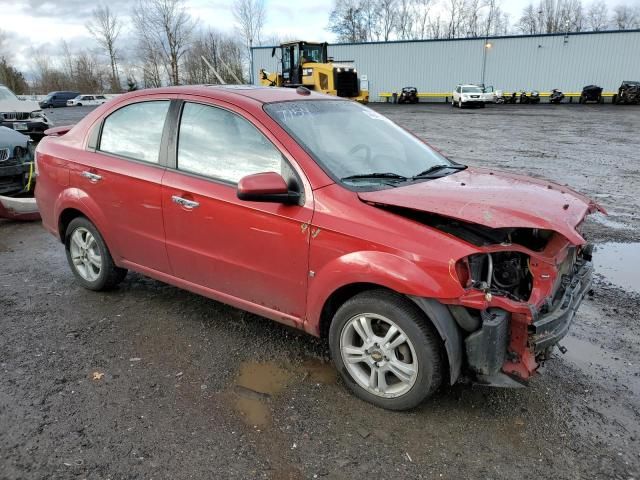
(324, 215)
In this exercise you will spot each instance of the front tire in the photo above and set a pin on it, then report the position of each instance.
(460, 103)
(386, 350)
(89, 257)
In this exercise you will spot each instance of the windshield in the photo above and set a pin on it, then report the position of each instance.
(312, 54)
(6, 94)
(348, 139)
(471, 90)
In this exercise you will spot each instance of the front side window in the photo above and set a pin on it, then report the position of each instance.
(135, 131)
(356, 145)
(216, 143)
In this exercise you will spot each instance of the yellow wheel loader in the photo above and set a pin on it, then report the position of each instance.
(306, 64)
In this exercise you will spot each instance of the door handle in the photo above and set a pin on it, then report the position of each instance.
(184, 202)
(93, 177)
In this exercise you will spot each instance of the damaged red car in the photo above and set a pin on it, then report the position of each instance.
(324, 215)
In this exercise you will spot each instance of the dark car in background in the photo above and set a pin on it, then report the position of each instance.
(57, 99)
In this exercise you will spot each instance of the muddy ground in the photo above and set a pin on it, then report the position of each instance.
(150, 381)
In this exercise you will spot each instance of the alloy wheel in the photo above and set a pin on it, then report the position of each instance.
(379, 355)
(85, 254)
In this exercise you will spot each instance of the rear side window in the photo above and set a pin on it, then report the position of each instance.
(219, 144)
(135, 131)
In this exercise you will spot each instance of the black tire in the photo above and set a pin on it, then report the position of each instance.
(79, 104)
(110, 275)
(415, 325)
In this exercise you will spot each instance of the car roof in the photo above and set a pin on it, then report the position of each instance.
(243, 93)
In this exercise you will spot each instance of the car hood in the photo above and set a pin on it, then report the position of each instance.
(495, 200)
(11, 139)
(18, 106)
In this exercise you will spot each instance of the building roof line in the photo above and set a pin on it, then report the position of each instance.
(490, 37)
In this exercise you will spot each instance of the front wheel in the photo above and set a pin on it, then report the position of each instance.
(386, 350)
(89, 257)
(460, 103)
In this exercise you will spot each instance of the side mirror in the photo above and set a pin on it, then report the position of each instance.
(266, 187)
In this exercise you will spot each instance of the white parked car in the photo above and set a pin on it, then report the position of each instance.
(465, 95)
(81, 100)
(23, 116)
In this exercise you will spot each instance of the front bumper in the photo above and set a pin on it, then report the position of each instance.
(32, 126)
(549, 328)
(14, 177)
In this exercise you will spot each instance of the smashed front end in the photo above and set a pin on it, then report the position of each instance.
(521, 295)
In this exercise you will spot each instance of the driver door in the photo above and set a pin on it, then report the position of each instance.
(249, 254)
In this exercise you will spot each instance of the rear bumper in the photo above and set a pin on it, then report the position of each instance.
(549, 328)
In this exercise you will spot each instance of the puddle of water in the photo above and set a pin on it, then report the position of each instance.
(266, 377)
(618, 263)
(590, 358)
(258, 381)
(320, 372)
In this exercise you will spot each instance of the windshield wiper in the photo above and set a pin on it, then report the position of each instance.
(435, 168)
(374, 175)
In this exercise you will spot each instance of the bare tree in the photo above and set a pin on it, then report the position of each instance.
(105, 28)
(405, 19)
(455, 13)
(597, 16)
(626, 17)
(250, 16)
(164, 28)
(388, 18)
(223, 52)
(347, 21)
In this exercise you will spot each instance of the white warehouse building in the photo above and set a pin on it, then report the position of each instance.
(539, 62)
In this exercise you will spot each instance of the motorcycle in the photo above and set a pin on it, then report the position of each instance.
(530, 97)
(556, 96)
(502, 98)
(408, 95)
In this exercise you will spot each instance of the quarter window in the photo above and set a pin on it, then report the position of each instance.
(219, 144)
(135, 131)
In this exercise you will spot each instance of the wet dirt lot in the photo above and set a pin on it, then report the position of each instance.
(150, 381)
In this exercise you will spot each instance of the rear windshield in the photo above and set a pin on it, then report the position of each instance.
(346, 138)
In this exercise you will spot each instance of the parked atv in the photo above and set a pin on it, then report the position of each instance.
(502, 98)
(408, 95)
(530, 97)
(591, 93)
(556, 96)
(628, 93)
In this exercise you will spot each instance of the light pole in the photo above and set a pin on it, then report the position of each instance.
(486, 46)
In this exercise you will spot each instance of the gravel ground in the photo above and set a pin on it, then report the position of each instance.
(150, 381)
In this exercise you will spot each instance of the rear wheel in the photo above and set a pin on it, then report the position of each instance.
(89, 257)
(385, 350)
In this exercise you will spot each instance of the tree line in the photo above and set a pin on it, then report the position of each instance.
(383, 20)
(160, 43)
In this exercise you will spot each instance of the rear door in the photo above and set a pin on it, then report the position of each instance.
(249, 253)
(121, 178)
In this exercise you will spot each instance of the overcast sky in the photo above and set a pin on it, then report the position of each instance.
(35, 24)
